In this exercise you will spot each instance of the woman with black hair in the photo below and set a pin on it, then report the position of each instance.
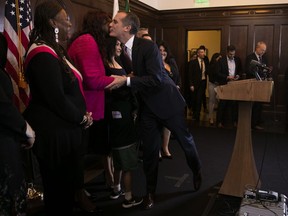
(57, 109)
(88, 52)
(173, 72)
(121, 111)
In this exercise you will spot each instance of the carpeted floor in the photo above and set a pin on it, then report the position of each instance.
(175, 195)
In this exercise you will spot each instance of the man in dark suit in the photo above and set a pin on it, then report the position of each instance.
(197, 76)
(160, 102)
(230, 69)
(252, 71)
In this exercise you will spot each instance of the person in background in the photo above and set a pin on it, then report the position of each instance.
(57, 109)
(121, 111)
(197, 77)
(142, 31)
(193, 56)
(230, 69)
(15, 133)
(87, 50)
(212, 73)
(152, 84)
(189, 97)
(204, 101)
(147, 36)
(253, 71)
(173, 72)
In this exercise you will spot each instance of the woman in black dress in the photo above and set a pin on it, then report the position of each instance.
(57, 110)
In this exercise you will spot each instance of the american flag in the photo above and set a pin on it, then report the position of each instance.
(17, 25)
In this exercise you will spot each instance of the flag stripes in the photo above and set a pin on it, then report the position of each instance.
(17, 26)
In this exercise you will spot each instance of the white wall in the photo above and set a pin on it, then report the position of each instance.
(181, 4)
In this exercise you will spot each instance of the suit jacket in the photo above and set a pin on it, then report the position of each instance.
(84, 52)
(223, 71)
(251, 69)
(195, 73)
(152, 83)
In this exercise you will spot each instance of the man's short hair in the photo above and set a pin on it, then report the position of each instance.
(132, 20)
(231, 48)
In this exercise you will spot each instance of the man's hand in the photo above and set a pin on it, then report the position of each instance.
(117, 82)
(192, 88)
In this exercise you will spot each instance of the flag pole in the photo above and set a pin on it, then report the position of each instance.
(127, 6)
(21, 82)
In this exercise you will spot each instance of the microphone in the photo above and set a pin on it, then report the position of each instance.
(258, 64)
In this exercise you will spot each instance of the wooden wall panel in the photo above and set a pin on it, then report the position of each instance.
(283, 50)
(238, 36)
(169, 35)
(282, 67)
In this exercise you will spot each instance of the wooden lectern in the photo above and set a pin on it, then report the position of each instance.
(242, 172)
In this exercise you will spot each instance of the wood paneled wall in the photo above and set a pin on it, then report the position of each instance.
(241, 26)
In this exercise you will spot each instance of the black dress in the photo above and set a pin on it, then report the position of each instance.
(55, 112)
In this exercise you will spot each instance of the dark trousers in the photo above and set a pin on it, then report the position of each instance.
(256, 118)
(151, 128)
(227, 108)
(198, 96)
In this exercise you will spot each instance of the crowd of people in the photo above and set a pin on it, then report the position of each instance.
(106, 89)
(220, 71)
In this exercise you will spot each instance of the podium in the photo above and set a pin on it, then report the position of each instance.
(242, 172)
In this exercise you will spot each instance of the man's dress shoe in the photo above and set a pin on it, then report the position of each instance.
(197, 180)
(148, 202)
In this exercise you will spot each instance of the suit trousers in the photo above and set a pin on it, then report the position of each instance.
(151, 129)
(256, 118)
(199, 94)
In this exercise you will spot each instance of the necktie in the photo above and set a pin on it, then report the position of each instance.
(203, 69)
(202, 65)
(126, 53)
(260, 59)
(127, 60)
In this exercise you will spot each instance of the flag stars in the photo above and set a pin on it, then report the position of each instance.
(20, 13)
